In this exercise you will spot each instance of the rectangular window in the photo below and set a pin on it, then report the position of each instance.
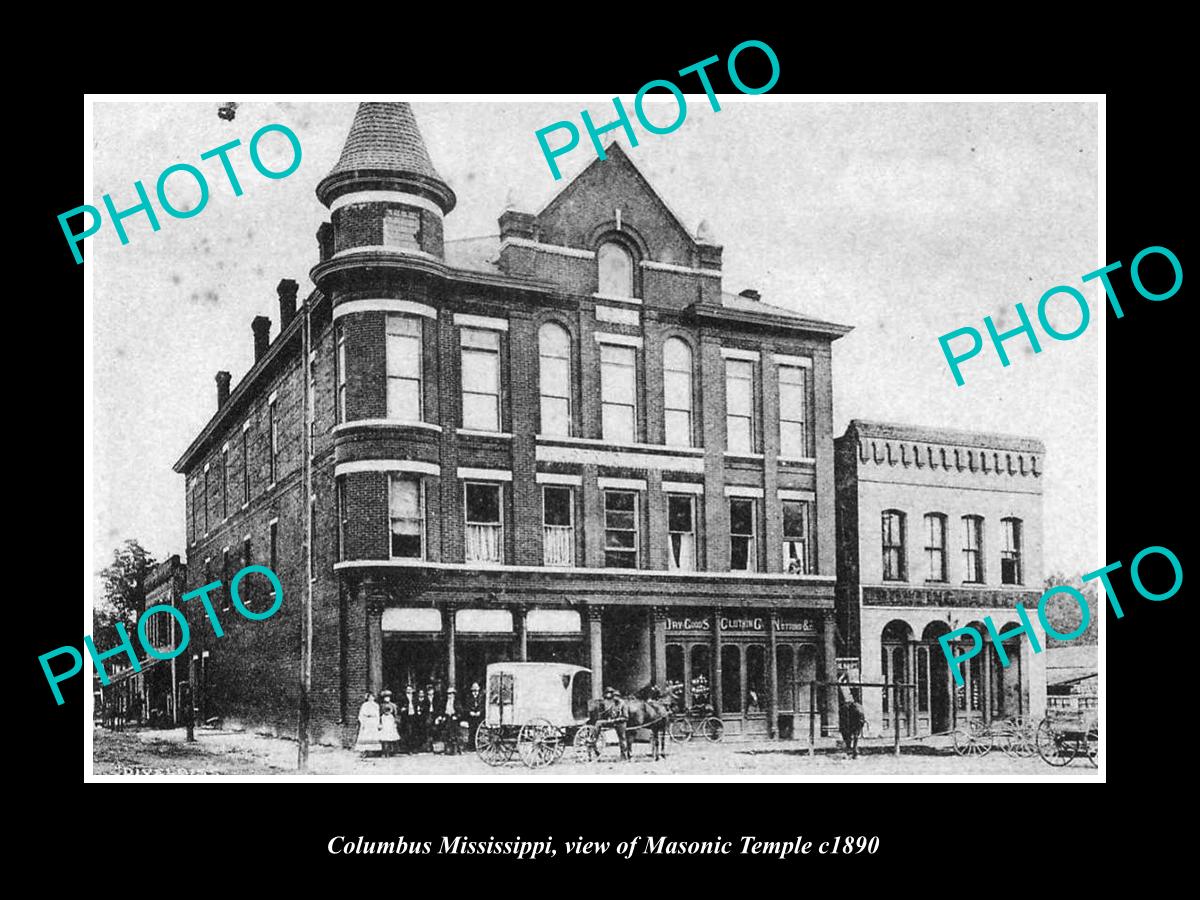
(1010, 556)
(620, 529)
(246, 466)
(312, 407)
(402, 228)
(935, 547)
(404, 368)
(893, 546)
(484, 524)
(225, 577)
(481, 379)
(973, 548)
(618, 393)
(743, 549)
(225, 484)
(341, 519)
(312, 538)
(206, 525)
(797, 549)
(681, 528)
(340, 375)
(273, 421)
(406, 510)
(274, 567)
(739, 406)
(558, 526)
(793, 401)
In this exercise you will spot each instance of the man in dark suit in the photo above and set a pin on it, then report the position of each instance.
(475, 710)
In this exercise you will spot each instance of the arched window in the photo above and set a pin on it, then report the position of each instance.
(554, 379)
(893, 545)
(1010, 556)
(615, 270)
(935, 547)
(973, 548)
(677, 392)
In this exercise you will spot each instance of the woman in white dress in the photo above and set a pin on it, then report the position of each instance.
(368, 726)
(387, 724)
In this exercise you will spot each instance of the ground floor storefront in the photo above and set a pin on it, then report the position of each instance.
(748, 649)
(900, 646)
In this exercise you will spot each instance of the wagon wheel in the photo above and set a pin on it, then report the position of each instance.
(587, 744)
(1093, 745)
(681, 729)
(982, 737)
(1027, 747)
(489, 744)
(1053, 745)
(962, 739)
(1008, 737)
(712, 728)
(538, 743)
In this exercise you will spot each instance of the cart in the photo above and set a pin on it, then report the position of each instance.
(1069, 730)
(534, 711)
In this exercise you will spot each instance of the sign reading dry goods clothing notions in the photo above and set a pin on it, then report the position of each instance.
(742, 623)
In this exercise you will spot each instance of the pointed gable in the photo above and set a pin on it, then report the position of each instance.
(587, 208)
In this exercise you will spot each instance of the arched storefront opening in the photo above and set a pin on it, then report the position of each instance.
(933, 691)
(972, 696)
(896, 662)
(1007, 701)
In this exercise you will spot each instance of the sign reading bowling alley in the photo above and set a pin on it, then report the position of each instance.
(748, 623)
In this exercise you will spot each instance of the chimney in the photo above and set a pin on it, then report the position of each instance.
(223, 379)
(287, 302)
(261, 326)
(750, 294)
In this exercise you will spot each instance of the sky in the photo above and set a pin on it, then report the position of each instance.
(904, 220)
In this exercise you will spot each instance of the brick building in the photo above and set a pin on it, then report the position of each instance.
(151, 690)
(936, 530)
(564, 441)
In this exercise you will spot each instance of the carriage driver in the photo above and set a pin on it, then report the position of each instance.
(613, 715)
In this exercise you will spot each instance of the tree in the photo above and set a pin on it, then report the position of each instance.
(1062, 611)
(124, 596)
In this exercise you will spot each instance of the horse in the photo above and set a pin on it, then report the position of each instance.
(851, 717)
(647, 710)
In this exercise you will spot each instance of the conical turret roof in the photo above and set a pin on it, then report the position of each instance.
(385, 149)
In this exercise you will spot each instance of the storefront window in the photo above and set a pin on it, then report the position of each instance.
(701, 669)
(731, 679)
(675, 668)
(756, 665)
(784, 666)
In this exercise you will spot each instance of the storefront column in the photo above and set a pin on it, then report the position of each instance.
(910, 694)
(450, 629)
(595, 616)
(716, 661)
(376, 600)
(986, 700)
(659, 623)
(772, 677)
(518, 614)
(830, 693)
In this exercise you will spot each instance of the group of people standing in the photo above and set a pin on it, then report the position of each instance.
(425, 720)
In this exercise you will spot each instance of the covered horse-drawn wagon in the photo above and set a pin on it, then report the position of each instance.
(534, 710)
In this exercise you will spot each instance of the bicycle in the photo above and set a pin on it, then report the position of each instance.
(684, 725)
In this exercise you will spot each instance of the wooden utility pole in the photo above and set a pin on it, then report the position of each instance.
(302, 729)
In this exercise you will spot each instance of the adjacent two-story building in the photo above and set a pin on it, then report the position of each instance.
(938, 529)
(564, 441)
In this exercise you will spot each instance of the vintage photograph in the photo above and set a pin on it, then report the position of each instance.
(446, 469)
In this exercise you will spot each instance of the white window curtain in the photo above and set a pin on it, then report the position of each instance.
(483, 543)
(559, 542)
(683, 553)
